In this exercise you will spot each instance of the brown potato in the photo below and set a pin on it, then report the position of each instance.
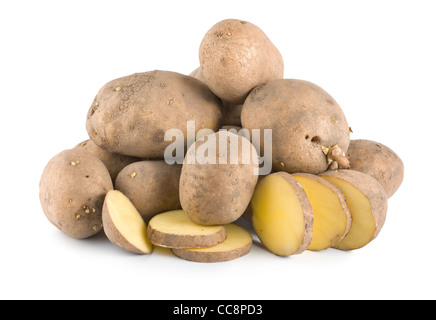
(131, 115)
(368, 204)
(236, 56)
(231, 112)
(216, 189)
(305, 121)
(151, 185)
(114, 162)
(72, 189)
(378, 161)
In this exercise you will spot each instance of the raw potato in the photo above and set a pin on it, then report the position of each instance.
(332, 218)
(237, 244)
(236, 56)
(282, 215)
(368, 205)
(173, 229)
(72, 189)
(113, 162)
(123, 225)
(379, 161)
(151, 185)
(131, 115)
(305, 121)
(217, 192)
(231, 112)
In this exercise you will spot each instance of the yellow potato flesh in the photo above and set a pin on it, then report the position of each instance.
(363, 224)
(278, 217)
(128, 221)
(237, 237)
(330, 220)
(177, 222)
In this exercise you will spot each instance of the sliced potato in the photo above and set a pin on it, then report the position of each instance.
(282, 215)
(367, 201)
(174, 229)
(123, 224)
(332, 218)
(237, 244)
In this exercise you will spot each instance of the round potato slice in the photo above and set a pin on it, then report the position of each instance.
(174, 229)
(237, 244)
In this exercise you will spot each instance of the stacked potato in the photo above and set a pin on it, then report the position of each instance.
(128, 178)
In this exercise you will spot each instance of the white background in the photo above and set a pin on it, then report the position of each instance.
(376, 58)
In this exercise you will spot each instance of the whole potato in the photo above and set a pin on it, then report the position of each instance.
(235, 56)
(131, 115)
(305, 122)
(114, 162)
(231, 112)
(151, 185)
(216, 188)
(72, 189)
(378, 161)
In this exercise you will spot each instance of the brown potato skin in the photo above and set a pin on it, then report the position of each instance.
(231, 112)
(215, 194)
(303, 118)
(371, 188)
(72, 189)
(378, 161)
(114, 162)
(151, 185)
(131, 115)
(176, 241)
(235, 56)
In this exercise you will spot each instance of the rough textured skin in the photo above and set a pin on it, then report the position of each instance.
(378, 161)
(303, 118)
(176, 241)
(370, 187)
(338, 193)
(307, 209)
(217, 193)
(235, 56)
(231, 112)
(114, 235)
(203, 255)
(131, 115)
(113, 162)
(197, 74)
(72, 190)
(151, 185)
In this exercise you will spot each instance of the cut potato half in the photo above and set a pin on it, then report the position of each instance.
(237, 244)
(332, 218)
(174, 229)
(368, 203)
(282, 215)
(123, 225)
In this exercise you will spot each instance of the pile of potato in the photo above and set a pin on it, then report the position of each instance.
(324, 190)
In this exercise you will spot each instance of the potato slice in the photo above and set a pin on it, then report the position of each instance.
(123, 224)
(174, 229)
(237, 244)
(332, 218)
(282, 215)
(368, 203)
